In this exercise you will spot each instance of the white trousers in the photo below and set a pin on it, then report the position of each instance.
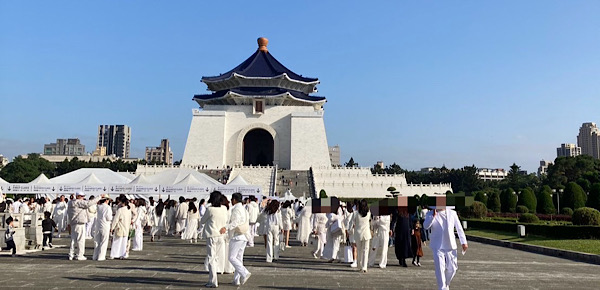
(156, 230)
(362, 248)
(213, 247)
(446, 264)
(380, 242)
(77, 240)
(89, 228)
(180, 225)
(252, 234)
(332, 247)
(321, 239)
(138, 239)
(236, 257)
(101, 244)
(119, 247)
(273, 243)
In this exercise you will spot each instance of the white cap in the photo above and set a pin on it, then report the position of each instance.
(80, 193)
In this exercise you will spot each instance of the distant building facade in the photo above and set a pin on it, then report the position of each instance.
(568, 150)
(334, 155)
(543, 169)
(68, 147)
(589, 140)
(489, 174)
(115, 138)
(160, 154)
(427, 170)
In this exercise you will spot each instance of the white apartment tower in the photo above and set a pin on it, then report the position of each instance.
(589, 140)
(568, 150)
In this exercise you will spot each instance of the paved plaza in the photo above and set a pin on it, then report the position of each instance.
(174, 264)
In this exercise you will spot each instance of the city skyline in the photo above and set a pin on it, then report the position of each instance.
(419, 85)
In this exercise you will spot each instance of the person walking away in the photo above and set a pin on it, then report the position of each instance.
(349, 224)
(402, 231)
(102, 229)
(381, 240)
(274, 226)
(138, 223)
(60, 215)
(120, 226)
(181, 215)
(287, 215)
(77, 211)
(442, 223)
(319, 229)
(417, 249)
(48, 225)
(304, 225)
(253, 211)
(92, 214)
(159, 220)
(191, 230)
(335, 235)
(215, 221)
(239, 233)
(362, 234)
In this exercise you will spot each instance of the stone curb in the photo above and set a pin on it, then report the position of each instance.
(571, 255)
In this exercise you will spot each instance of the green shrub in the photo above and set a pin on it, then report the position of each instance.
(494, 203)
(508, 200)
(477, 210)
(594, 198)
(567, 211)
(551, 231)
(544, 201)
(522, 209)
(481, 197)
(586, 216)
(574, 196)
(528, 199)
(529, 218)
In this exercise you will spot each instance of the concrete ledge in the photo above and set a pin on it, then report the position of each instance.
(571, 255)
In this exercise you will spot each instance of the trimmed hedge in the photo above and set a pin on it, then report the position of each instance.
(522, 209)
(529, 218)
(545, 217)
(586, 216)
(551, 231)
(567, 211)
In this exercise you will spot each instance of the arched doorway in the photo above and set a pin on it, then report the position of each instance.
(258, 148)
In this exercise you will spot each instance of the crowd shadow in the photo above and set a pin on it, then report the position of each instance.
(137, 280)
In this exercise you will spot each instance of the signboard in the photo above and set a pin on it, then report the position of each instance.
(117, 189)
(44, 188)
(146, 189)
(198, 189)
(172, 189)
(18, 188)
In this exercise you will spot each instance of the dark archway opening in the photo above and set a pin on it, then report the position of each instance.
(258, 148)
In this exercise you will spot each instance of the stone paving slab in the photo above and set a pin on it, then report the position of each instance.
(175, 264)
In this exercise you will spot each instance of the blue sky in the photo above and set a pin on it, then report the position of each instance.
(419, 83)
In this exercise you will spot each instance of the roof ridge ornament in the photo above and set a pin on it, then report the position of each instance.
(262, 44)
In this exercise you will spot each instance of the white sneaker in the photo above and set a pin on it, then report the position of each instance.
(70, 258)
(81, 258)
(315, 255)
(353, 265)
(245, 279)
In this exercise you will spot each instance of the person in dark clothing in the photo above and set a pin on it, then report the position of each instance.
(8, 236)
(402, 236)
(48, 225)
(417, 250)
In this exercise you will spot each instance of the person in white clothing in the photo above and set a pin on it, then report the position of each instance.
(92, 214)
(77, 211)
(102, 229)
(274, 226)
(287, 216)
(362, 234)
(238, 229)
(319, 221)
(349, 224)
(181, 215)
(159, 220)
(252, 208)
(382, 232)
(140, 218)
(201, 212)
(191, 230)
(215, 222)
(304, 225)
(120, 226)
(442, 223)
(59, 215)
(335, 235)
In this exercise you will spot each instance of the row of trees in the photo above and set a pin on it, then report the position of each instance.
(22, 170)
(572, 181)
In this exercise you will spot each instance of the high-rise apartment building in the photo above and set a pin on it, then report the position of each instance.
(115, 138)
(568, 150)
(543, 169)
(589, 140)
(160, 154)
(68, 147)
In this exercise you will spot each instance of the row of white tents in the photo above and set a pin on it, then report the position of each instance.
(95, 181)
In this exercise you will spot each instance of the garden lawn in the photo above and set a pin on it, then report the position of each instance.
(584, 246)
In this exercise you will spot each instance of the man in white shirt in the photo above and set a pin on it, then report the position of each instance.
(181, 215)
(102, 229)
(16, 206)
(252, 208)
(77, 212)
(238, 229)
(442, 223)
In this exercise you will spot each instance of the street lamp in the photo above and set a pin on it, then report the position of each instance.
(560, 191)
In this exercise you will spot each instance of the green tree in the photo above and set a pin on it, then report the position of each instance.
(594, 198)
(351, 163)
(481, 196)
(508, 200)
(544, 201)
(574, 196)
(494, 203)
(23, 170)
(527, 198)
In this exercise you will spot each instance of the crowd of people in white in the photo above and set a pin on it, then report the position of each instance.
(348, 233)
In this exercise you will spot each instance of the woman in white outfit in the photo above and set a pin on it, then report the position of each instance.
(102, 229)
(362, 234)
(287, 216)
(225, 267)
(304, 225)
(159, 220)
(120, 226)
(319, 229)
(60, 215)
(191, 230)
(349, 224)
(335, 235)
(138, 241)
(215, 222)
(274, 225)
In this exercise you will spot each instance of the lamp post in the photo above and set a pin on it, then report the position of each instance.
(558, 192)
